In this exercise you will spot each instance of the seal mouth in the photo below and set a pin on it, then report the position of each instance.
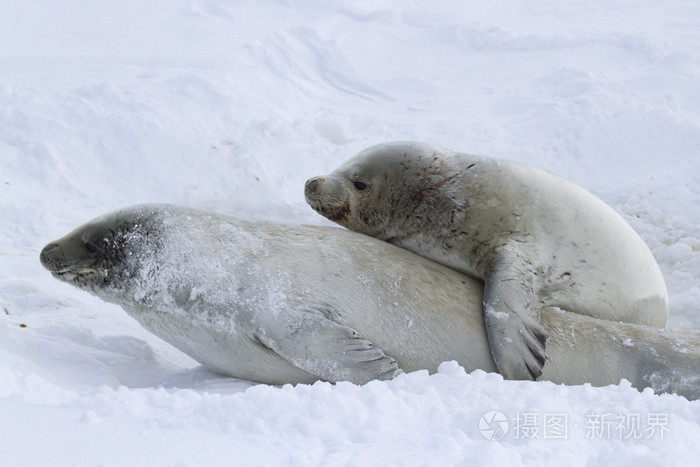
(74, 273)
(71, 273)
(333, 212)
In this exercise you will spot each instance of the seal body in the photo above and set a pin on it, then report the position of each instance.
(294, 304)
(265, 302)
(534, 238)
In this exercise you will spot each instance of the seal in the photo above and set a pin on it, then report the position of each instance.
(534, 238)
(280, 304)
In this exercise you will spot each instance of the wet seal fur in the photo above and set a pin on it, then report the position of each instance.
(534, 238)
(279, 304)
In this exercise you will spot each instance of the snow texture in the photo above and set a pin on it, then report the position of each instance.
(231, 106)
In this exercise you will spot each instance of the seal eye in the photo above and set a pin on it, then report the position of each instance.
(361, 186)
(91, 247)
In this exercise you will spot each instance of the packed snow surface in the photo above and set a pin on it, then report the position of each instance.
(231, 106)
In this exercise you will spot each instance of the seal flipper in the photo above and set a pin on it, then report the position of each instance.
(516, 335)
(311, 341)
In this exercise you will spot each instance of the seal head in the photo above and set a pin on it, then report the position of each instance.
(93, 256)
(371, 195)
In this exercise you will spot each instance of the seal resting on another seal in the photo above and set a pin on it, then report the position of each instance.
(534, 239)
(294, 304)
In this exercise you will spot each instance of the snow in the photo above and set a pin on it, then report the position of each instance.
(231, 106)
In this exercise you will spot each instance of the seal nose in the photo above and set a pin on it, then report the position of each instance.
(46, 254)
(311, 185)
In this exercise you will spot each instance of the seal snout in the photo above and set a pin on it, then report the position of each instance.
(311, 186)
(312, 192)
(49, 256)
(326, 197)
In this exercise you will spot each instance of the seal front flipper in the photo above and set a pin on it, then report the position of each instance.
(313, 342)
(515, 333)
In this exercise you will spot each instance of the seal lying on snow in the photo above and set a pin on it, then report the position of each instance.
(534, 238)
(294, 304)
